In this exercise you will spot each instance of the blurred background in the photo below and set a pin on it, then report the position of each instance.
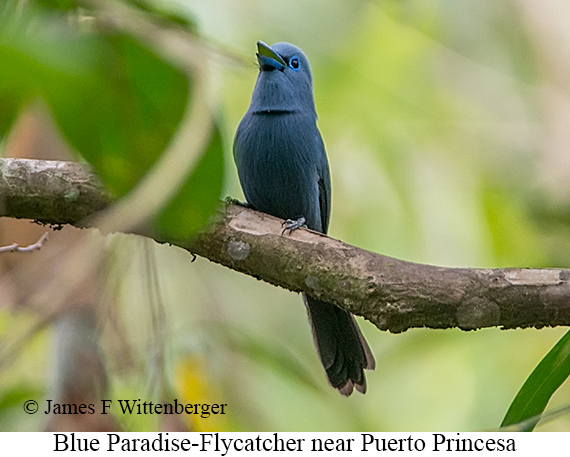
(447, 125)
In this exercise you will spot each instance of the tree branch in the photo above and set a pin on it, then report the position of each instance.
(393, 294)
(49, 191)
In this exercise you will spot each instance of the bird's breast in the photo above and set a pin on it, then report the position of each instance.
(276, 158)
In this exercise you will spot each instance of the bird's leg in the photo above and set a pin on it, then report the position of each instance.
(292, 225)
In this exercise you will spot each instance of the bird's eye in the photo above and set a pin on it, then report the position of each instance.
(294, 63)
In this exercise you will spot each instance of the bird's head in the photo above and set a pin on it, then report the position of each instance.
(285, 82)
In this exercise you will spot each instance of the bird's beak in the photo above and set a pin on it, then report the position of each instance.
(268, 59)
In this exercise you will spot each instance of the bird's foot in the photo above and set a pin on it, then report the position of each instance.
(292, 225)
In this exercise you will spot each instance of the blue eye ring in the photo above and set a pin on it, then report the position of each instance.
(294, 63)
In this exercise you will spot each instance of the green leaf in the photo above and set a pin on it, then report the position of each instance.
(114, 99)
(546, 378)
(10, 106)
(48, 61)
(198, 197)
(117, 103)
(122, 119)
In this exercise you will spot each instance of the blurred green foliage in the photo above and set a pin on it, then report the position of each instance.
(180, 220)
(115, 100)
(444, 126)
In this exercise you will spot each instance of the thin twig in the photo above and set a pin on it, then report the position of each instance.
(15, 247)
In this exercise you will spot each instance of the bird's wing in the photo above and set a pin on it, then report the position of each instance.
(324, 185)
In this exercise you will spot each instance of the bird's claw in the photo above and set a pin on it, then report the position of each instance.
(292, 225)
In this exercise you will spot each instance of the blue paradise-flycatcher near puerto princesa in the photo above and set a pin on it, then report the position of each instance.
(283, 171)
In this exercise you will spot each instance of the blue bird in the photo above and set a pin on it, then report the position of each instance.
(283, 171)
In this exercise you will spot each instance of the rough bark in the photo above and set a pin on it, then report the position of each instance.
(50, 191)
(393, 294)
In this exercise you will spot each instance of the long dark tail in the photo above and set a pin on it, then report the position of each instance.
(342, 349)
